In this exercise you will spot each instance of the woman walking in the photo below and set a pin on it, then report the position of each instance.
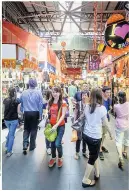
(79, 109)
(55, 104)
(11, 119)
(122, 127)
(95, 115)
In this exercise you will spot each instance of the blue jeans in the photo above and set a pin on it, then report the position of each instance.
(48, 144)
(57, 144)
(11, 125)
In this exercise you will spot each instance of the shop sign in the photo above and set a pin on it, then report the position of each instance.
(49, 67)
(94, 62)
(117, 35)
(29, 64)
(9, 63)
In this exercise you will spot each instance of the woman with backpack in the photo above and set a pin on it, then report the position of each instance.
(57, 107)
(11, 119)
(122, 127)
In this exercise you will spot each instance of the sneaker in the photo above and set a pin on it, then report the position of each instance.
(105, 150)
(77, 156)
(85, 155)
(49, 151)
(52, 162)
(9, 154)
(101, 156)
(60, 162)
(25, 150)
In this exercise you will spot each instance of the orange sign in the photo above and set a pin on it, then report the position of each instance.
(9, 63)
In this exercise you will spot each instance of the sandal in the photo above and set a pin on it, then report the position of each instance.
(104, 150)
(92, 183)
(125, 155)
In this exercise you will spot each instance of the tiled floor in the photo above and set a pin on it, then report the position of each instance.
(31, 172)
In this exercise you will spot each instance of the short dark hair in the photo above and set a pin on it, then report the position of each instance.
(105, 88)
(72, 82)
(122, 97)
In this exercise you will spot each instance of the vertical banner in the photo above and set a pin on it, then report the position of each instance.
(94, 62)
(42, 51)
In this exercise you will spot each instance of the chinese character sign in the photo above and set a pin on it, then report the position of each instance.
(94, 62)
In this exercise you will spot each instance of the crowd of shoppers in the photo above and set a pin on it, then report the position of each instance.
(93, 104)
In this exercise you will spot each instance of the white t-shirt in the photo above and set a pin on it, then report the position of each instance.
(93, 125)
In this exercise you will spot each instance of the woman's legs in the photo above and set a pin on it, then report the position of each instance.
(94, 147)
(12, 125)
(119, 136)
(57, 144)
(96, 166)
(126, 144)
(78, 143)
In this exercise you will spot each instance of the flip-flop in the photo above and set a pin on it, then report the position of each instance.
(88, 185)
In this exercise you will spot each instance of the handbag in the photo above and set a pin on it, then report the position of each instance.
(79, 124)
(51, 136)
(74, 137)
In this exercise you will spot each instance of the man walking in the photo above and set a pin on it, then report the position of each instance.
(32, 106)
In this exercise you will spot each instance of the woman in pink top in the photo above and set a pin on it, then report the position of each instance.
(122, 127)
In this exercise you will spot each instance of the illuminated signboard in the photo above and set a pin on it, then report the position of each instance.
(94, 62)
(117, 35)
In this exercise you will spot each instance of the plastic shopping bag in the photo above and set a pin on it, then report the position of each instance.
(42, 123)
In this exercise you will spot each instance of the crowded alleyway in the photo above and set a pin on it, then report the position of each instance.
(31, 172)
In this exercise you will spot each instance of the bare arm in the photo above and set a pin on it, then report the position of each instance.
(105, 124)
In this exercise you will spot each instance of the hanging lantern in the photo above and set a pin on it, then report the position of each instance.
(63, 44)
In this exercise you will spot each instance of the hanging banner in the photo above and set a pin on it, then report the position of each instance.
(42, 51)
(94, 62)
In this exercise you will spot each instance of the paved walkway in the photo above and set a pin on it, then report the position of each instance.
(31, 172)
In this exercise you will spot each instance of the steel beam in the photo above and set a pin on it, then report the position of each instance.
(82, 6)
(62, 6)
(65, 17)
(49, 18)
(76, 24)
(39, 17)
(20, 6)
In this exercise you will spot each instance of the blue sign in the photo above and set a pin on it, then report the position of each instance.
(49, 68)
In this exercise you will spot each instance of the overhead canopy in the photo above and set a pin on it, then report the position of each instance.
(12, 34)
